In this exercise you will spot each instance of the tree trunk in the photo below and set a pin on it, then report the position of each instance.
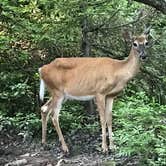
(85, 49)
(85, 45)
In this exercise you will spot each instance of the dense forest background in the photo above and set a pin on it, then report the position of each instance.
(34, 32)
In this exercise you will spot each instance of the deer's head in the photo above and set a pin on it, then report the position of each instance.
(139, 45)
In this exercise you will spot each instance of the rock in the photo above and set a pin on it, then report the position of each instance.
(25, 155)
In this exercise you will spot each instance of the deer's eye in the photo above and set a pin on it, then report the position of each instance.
(135, 44)
(147, 43)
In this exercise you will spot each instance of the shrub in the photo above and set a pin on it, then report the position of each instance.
(140, 129)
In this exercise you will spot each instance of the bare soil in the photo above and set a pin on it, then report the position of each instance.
(84, 151)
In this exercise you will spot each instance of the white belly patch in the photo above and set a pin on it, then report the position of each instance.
(80, 98)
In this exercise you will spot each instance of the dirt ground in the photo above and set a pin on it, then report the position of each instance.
(84, 151)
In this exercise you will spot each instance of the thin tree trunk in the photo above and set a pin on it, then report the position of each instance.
(85, 44)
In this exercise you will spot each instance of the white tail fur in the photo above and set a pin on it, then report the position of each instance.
(42, 87)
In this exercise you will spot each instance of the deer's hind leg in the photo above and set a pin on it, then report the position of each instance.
(45, 112)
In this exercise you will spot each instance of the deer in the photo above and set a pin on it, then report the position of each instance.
(87, 78)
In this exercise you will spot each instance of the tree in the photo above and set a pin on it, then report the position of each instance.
(35, 32)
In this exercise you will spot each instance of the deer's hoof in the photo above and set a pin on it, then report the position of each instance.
(112, 147)
(65, 149)
(105, 149)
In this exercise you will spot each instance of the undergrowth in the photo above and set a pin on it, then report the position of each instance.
(140, 129)
(139, 126)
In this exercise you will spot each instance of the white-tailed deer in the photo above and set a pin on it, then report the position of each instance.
(85, 79)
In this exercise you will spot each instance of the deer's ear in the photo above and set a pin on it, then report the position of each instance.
(147, 31)
(134, 38)
(130, 36)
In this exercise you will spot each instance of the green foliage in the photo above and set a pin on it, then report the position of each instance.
(138, 125)
(74, 117)
(34, 32)
(71, 118)
(140, 129)
(15, 95)
(29, 124)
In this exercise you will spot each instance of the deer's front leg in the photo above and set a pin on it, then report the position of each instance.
(100, 101)
(109, 104)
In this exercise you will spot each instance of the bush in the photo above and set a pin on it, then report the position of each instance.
(74, 117)
(140, 129)
(20, 124)
(16, 93)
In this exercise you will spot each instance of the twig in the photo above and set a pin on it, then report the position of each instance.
(59, 162)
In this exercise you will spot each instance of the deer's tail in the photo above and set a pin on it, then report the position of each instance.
(42, 87)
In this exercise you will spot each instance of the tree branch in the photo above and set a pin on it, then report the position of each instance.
(137, 18)
(98, 27)
(103, 49)
(157, 4)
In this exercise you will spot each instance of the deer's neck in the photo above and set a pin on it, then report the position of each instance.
(131, 65)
